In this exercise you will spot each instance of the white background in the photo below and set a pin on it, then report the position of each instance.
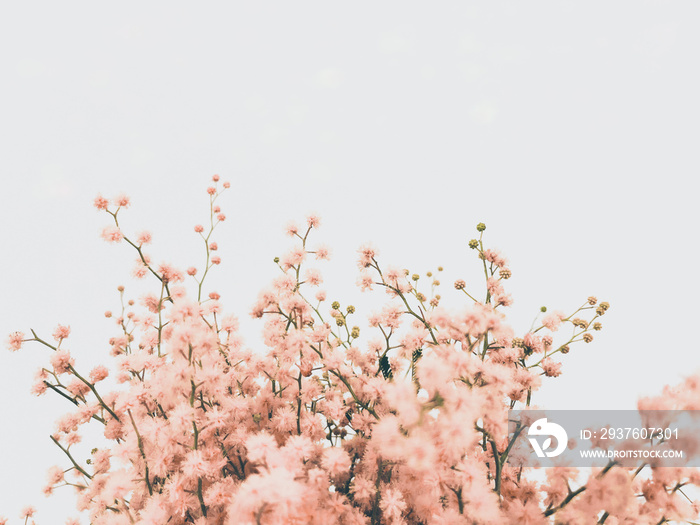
(570, 130)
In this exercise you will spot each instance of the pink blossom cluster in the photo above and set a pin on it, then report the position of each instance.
(325, 425)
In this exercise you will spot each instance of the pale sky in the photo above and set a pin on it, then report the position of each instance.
(571, 130)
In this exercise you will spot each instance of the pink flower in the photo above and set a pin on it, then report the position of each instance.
(215, 178)
(100, 202)
(15, 340)
(199, 228)
(98, 374)
(221, 217)
(195, 465)
(143, 238)
(392, 504)
(292, 229)
(27, 512)
(367, 253)
(211, 190)
(112, 234)
(365, 281)
(322, 253)
(552, 320)
(191, 271)
(170, 274)
(55, 475)
(313, 221)
(61, 361)
(61, 332)
(551, 368)
(216, 259)
(336, 461)
(122, 201)
(227, 184)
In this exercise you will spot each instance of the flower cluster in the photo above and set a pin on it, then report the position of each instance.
(325, 426)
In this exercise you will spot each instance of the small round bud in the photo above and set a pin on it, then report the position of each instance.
(600, 311)
(120, 288)
(215, 178)
(257, 418)
(440, 268)
(405, 271)
(429, 274)
(480, 227)
(604, 305)
(436, 283)
(131, 302)
(460, 284)
(335, 305)
(420, 297)
(587, 338)
(108, 314)
(473, 244)
(592, 300)
(579, 323)
(339, 321)
(276, 259)
(518, 342)
(434, 302)
(355, 332)
(415, 276)
(565, 349)
(543, 309)
(227, 184)
(505, 273)
(351, 309)
(199, 228)
(597, 326)
(437, 296)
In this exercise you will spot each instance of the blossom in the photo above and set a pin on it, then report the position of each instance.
(122, 201)
(551, 368)
(100, 202)
(552, 320)
(313, 220)
(143, 238)
(61, 361)
(112, 234)
(61, 332)
(336, 461)
(320, 421)
(322, 252)
(98, 374)
(367, 252)
(15, 340)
